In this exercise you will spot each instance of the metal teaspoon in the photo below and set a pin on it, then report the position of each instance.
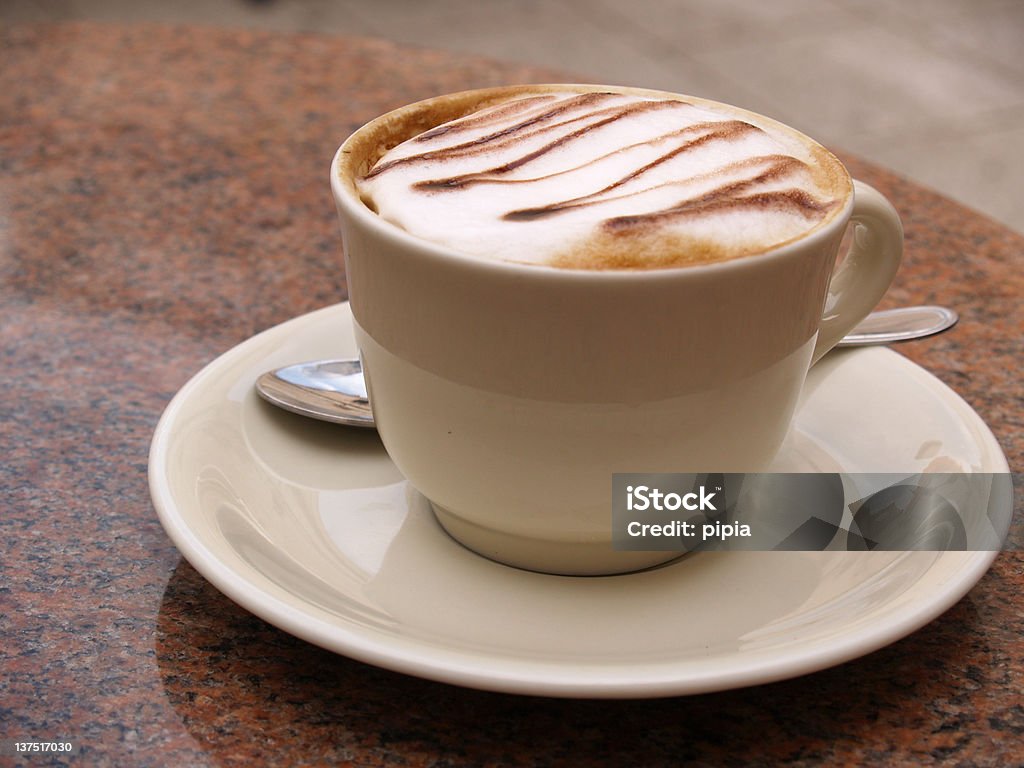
(334, 390)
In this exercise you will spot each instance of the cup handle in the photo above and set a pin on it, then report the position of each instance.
(866, 273)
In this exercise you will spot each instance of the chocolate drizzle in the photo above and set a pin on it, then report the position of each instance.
(719, 132)
(606, 117)
(787, 200)
(483, 118)
(520, 132)
(499, 139)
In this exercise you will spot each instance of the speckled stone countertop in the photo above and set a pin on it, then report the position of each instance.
(163, 197)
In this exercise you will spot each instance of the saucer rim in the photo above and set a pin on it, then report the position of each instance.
(519, 675)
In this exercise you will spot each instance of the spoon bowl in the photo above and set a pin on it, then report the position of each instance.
(329, 390)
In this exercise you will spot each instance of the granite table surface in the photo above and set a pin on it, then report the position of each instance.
(163, 198)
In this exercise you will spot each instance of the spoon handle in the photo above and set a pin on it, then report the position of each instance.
(891, 325)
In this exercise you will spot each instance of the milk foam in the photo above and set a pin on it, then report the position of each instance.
(603, 180)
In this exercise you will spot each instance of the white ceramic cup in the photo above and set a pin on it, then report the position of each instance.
(508, 394)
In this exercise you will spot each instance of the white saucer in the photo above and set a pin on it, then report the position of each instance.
(310, 526)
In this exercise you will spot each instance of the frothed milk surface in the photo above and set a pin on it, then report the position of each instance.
(606, 180)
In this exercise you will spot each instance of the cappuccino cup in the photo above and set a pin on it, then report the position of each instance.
(551, 284)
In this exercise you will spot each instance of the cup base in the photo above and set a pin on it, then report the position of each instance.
(563, 558)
